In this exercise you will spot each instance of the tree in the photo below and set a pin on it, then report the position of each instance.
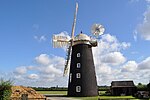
(5, 89)
(139, 84)
(141, 87)
(148, 87)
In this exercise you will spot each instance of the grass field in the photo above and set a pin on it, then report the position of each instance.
(53, 92)
(106, 98)
(89, 98)
(62, 92)
(85, 98)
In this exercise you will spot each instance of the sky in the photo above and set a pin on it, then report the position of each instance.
(28, 57)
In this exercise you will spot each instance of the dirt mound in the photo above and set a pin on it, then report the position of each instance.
(17, 92)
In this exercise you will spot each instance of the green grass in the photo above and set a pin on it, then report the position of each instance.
(101, 92)
(117, 97)
(88, 98)
(106, 98)
(53, 92)
(62, 92)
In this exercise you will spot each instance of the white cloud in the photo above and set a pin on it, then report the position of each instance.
(64, 33)
(148, 1)
(135, 71)
(50, 65)
(109, 43)
(18, 77)
(113, 58)
(106, 55)
(132, 1)
(125, 45)
(50, 70)
(103, 69)
(20, 70)
(33, 76)
(130, 66)
(40, 38)
(47, 69)
(135, 35)
(58, 62)
(30, 67)
(43, 59)
(108, 38)
(50, 77)
(108, 50)
(143, 28)
(145, 64)
(43, 38)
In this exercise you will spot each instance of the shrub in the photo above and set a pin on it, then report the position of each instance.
(5, 89)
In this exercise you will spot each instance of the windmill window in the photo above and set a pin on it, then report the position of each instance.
(78, 65)
(70, 77)
(78, 88)
(78, 54)
(78, 75)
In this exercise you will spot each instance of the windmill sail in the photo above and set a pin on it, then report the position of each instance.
(60, 41)
(67, 65)
(74, 23)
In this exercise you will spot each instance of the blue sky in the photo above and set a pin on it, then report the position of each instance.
(26, 28)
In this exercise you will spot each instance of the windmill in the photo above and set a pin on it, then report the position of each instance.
(82, 77)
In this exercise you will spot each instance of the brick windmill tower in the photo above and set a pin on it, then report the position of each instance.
(82, 77)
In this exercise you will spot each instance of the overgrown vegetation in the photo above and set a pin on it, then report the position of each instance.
(5, 89)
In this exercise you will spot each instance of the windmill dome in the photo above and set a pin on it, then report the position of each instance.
(82, 37)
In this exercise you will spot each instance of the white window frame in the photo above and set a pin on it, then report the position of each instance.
(78, 75)
(78, 65)
(78, 55)
(78, 88)
(70, 77)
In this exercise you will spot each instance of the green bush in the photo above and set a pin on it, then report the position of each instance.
(5, 89)
(141, 87)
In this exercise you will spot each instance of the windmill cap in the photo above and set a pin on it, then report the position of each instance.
(82, 36)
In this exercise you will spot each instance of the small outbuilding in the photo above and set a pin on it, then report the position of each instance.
(123, 88)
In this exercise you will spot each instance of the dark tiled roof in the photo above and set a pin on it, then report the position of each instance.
(122, 84)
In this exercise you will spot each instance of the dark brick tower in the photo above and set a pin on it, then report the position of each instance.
(82, 77)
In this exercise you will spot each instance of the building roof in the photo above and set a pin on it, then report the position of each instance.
(82, 36)
(122, 84)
